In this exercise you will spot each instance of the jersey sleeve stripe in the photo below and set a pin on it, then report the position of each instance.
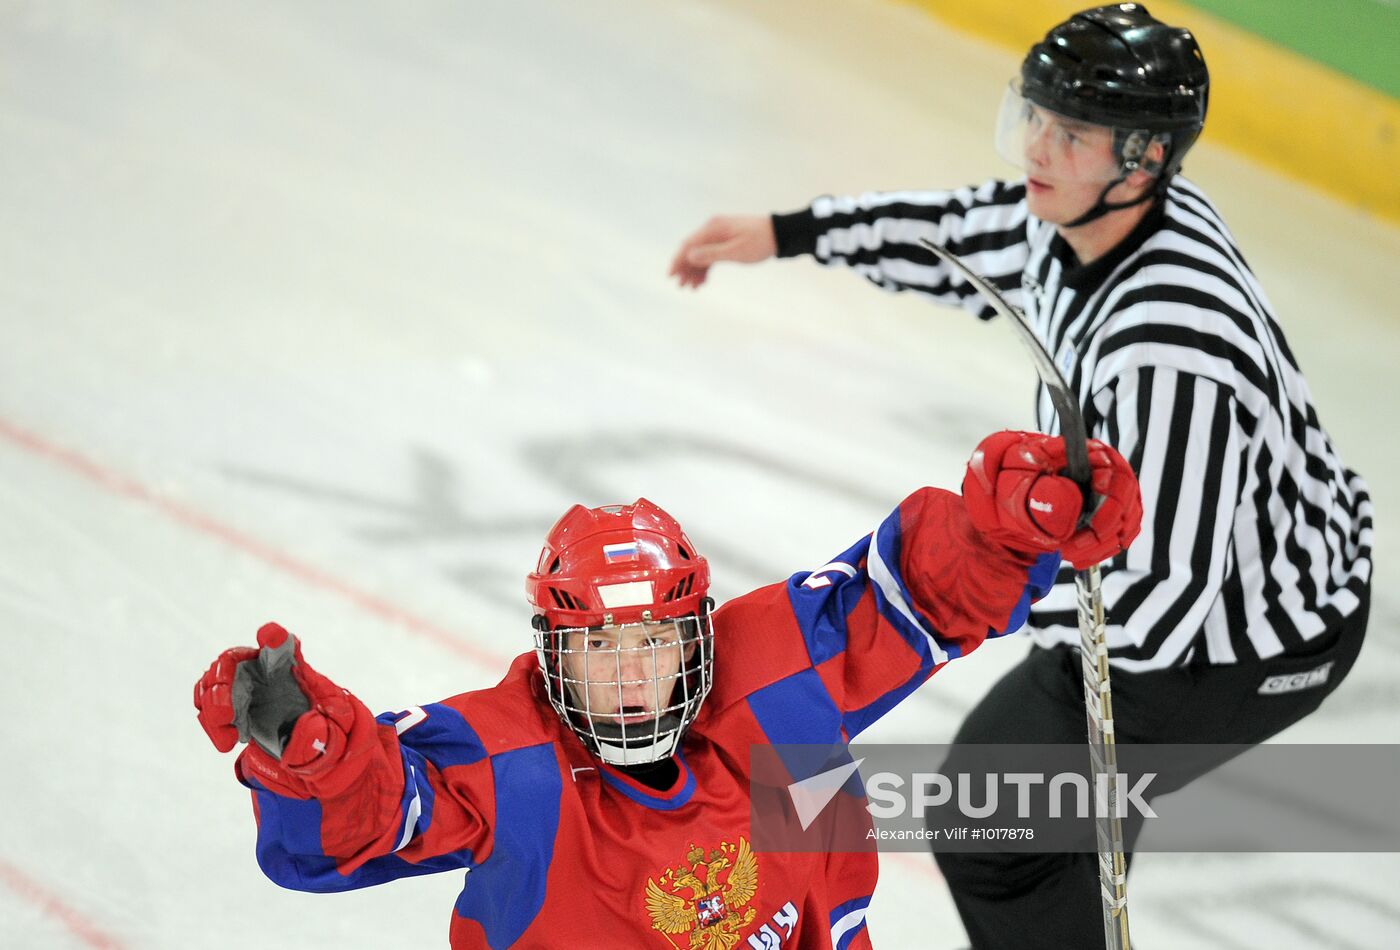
(848, 920)
(894, 599)
(413, 810)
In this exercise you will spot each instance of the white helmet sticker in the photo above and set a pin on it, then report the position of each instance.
(634, 594)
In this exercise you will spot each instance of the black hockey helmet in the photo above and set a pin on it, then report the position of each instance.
(1118, 66)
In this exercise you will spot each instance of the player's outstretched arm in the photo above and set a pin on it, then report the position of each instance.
(973, 565)
(943, 573)
(309, 739)
(739, 238)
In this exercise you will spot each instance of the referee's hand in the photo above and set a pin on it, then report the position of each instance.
(740, 238)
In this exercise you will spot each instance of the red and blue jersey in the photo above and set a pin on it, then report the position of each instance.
(559, 846)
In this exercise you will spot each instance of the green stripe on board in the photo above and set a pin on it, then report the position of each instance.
(1360, 38)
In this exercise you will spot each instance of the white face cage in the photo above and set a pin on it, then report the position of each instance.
(629, 691)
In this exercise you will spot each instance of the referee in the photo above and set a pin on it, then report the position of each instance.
(1254, 561)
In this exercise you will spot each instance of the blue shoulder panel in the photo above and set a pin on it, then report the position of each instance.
(444, 736)
(797, 709)
(506, 891)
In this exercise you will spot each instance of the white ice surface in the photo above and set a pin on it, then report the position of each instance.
(323, 312)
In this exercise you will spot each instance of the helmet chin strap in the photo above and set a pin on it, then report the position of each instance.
(1102, 207)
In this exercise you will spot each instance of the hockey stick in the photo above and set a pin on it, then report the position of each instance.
(1093, 650)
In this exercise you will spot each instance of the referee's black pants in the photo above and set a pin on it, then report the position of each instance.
(1013, 901)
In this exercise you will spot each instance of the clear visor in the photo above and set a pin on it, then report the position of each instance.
(629, 690)
(1056, 149)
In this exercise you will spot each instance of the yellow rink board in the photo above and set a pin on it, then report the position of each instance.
(1278, 108)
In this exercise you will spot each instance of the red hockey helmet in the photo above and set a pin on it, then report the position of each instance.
(622, 629)
(617, 564)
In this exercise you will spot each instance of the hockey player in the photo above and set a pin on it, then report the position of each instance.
(1255, 561)
(620, 748)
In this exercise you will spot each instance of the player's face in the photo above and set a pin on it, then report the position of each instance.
(1067, 162)
(625, 675)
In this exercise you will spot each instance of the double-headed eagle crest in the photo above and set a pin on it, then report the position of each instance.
(705, 897)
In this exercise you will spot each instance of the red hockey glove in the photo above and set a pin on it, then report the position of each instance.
(308, 737)
(1017, 497)
(213, 697)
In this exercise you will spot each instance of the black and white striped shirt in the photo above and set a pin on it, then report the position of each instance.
(1256, 539)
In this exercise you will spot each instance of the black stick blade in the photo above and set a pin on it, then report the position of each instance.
(1066, 406)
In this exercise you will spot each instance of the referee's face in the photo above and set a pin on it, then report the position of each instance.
(1065, 169)
(1068, 163)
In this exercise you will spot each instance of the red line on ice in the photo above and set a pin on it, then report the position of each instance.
(206, 525)
(51, 904)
